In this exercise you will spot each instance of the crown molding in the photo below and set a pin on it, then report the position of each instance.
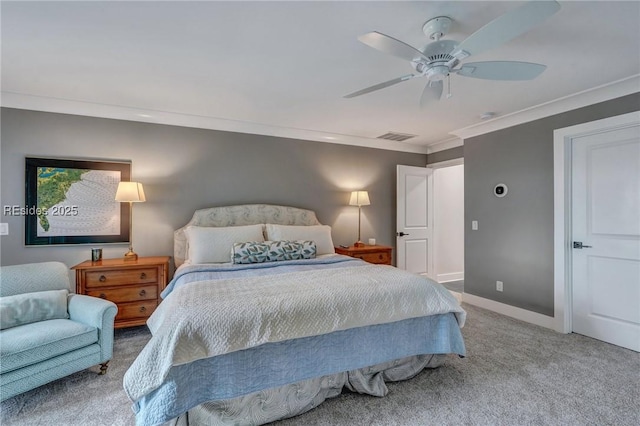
(65, 106)
(116, 112)
(585, 98)
(445, 144)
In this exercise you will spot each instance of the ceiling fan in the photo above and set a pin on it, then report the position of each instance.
(441, 58)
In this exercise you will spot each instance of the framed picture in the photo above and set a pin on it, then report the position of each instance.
(73, 202)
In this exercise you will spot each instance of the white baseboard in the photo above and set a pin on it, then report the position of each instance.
(457, 295)
(452, 276)
(510, 311)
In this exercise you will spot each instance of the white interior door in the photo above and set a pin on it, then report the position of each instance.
(606, 221)
(414, 232)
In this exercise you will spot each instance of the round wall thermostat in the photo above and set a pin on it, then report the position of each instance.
(500, 190)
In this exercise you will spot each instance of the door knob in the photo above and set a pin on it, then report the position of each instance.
(579, 245)
(401, 234)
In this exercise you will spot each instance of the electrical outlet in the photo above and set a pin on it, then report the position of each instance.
(4, 229)
(474, 225)
(499, 285)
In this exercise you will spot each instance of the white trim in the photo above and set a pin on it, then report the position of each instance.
(451, 276)
(561, 213)
(445, 144)
(117, 112)
(602, 93)
(446, 163)
(562, 140)
(457, 295)
(508, 310)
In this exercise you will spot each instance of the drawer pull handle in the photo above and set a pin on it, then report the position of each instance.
(142, 292)
(143, 309)
(380, 257)
(102, 278)
(103, 296)
(143, 276)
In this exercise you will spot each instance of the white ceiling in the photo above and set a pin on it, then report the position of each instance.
(282, 68)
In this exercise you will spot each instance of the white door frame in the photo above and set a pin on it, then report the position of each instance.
(562, 242)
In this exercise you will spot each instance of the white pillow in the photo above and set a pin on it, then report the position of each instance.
(213, 245)
(321, 234)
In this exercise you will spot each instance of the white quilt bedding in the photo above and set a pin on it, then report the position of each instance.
(209, 318)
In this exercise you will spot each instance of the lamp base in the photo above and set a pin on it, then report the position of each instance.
(130, 255)
(358, 244)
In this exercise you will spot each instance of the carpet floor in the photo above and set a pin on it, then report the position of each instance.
(514, 374)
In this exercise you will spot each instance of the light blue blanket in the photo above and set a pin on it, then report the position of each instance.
(275, 364)
(278, 363)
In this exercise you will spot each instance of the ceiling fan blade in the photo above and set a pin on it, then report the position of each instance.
(506, 27)
(380, 86)
(431, 93)
(391, 46)
(502, 70)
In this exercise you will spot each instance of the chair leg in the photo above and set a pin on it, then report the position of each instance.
(103, 368)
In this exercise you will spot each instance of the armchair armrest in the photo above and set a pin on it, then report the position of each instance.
(97, 313)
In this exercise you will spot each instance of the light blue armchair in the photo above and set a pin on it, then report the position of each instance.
(46, 332)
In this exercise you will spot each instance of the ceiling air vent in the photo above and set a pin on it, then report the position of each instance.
(393, 136)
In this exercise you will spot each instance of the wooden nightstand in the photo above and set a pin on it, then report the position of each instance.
(134, 286)
(372, 254)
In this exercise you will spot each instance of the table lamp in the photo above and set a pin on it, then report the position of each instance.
(359, 198)
(130, 192)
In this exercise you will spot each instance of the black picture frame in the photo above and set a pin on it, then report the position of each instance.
(39, 200)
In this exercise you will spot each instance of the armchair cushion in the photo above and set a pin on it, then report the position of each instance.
(32, 343)
(27, 308)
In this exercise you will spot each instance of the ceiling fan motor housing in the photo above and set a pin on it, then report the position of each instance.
(438, 54)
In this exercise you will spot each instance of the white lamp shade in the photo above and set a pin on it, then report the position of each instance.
(130, 192)
(359, 198)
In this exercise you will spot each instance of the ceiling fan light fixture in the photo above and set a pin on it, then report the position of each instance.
(437, 73)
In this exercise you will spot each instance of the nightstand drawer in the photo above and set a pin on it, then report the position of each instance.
(375, 257)
(136, 310)
(106, 278)
(126, 294)
(133, 285)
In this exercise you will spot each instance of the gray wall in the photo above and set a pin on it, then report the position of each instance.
(184, 169)
(445, 155)
(514, 242)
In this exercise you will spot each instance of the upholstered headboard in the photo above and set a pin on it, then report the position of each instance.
(246, 214)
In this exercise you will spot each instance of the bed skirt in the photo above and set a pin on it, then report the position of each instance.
(279, 403)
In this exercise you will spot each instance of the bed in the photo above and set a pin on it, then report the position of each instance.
(263, 321)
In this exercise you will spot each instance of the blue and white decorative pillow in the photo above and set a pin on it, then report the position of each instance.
(272, 251)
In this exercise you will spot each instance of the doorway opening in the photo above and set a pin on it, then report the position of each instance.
(448, 238)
